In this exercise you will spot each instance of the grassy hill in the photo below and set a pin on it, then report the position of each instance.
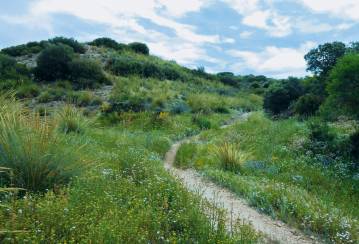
(84, 128)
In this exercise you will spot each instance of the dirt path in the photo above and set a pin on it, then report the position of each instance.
(234, 206)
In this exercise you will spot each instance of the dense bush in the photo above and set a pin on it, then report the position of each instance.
(343, 86)
(228, 78)
(139, 48)
(25, 49)
(70, 120)
(127, 65)
(354, 144)
(10, 69)
(108, 42)
(86, 73)
(201, 122)
(53, 63)
(307, 105)
(76, 46)
(279, 97)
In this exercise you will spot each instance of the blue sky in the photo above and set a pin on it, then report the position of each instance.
(267, 37)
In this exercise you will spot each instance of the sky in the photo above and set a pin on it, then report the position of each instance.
(261, 37)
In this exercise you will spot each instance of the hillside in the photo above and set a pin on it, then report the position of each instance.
(86, 127)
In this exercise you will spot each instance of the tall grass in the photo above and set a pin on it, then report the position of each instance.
(230, 157)
(70, 119)
(30, 146)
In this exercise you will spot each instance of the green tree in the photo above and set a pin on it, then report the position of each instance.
(343, 86)
(323, 58)
(53, 63)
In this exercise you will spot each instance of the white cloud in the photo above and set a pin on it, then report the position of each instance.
(256, 15)
(346, 9)
(277, 61)
(309, 26)
(122, 18)
(245, 34)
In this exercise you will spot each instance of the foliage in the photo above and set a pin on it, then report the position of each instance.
(307, 105)
(25, 49)
(323, 58)
(280, 96)
(354, 147)
(343, 87)
(53, 63)
(139, 48)
(185, 155)
(230, 157)
(70, 120)
(202, 122)
(10, 69)
(75, 45)
(31, 148)
(108, 43)
(86, 73)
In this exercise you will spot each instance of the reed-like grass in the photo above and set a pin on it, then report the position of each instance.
(30, 146)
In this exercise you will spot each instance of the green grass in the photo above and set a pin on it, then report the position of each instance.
(280, 179)
(124, 197)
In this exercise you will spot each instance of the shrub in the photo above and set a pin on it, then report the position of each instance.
(280, 96)
(230, 158)
(125, 66)
(139, 48)
(29, 146)
(343, 87)
(27, 90)
(76, 46)
(201, 122)
(86, 73)
(10, 69)
(354, 145)
(25, 49)
(53, 63)
(107, 42)
(70, 120)
(178, 107)
(307, 105)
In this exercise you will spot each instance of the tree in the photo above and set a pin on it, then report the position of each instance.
(108, 42)
(53, 63)
(323, 58)
(343, 86)
(139, 48)
(307, 105)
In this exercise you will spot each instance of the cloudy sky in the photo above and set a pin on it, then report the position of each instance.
(267, 37)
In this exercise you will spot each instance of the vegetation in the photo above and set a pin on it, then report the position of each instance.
(81, 153)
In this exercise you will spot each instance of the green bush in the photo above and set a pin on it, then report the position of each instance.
(125, 66)
(25, 49)
(108, 42)
(139, 48)
(29, 146)
(201, 122)
(86, 74)
(307, 105)
(279, 97)
(53, 63)
(76, 46)
(230, 157)
(11, 70)
(70, 120)
(27, 90)
(354, 144)
(343, 86)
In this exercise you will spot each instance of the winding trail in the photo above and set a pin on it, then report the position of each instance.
(235, 207)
